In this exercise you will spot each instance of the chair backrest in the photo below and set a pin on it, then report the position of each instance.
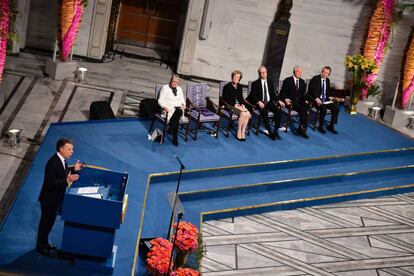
(197, 93)
(222, 84)
(157, 90)
(249, 87)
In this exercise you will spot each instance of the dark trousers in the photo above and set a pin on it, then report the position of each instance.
(47, 219)
(323, 108)
(277, 113)
(302, 108)
(175, 121)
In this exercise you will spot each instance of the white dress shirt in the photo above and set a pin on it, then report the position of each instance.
(61, 159)
(267, 89)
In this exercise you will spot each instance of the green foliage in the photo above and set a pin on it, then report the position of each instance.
(12, 36)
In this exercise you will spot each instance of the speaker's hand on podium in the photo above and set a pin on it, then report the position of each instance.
(71, 178)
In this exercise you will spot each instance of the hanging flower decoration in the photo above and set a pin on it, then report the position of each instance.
(159, 256)
(187, 236)
(71, 12)
(378, 35)
(408, 73)
(185, 272)
(4, 32)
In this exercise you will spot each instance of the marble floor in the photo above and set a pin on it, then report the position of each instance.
(360, 238)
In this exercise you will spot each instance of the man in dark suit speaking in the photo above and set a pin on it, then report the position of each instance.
(57, 177)
(319, 93)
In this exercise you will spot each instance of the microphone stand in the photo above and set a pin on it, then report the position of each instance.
(180, 216)
(182, 167)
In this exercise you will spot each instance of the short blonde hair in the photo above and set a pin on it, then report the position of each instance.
(237, 72)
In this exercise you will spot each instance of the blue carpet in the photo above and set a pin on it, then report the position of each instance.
(122, 145)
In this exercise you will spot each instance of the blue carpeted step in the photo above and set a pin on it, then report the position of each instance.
(233, 201)
(217, 180)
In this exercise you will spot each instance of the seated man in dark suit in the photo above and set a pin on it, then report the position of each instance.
(319, 93)
(263, 96)
(294, 94)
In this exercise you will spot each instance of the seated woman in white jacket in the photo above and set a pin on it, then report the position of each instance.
(172, 102)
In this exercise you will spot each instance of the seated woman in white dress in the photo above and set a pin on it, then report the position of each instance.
(172, 102)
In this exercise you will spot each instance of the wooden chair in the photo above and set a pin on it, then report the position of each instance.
(202, 109)
(184, 120)
(228, 112)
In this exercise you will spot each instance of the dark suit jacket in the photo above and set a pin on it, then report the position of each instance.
(256, 92)
(54, 182)
(315, 88)
(230, 94)
(289, 90)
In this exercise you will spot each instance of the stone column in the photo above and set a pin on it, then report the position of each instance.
(190, 36)
(99, 30)
(278, 40)
(22, 19)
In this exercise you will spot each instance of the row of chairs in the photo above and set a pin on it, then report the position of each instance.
(202, 111)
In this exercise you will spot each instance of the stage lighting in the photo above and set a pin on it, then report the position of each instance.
(14, 137)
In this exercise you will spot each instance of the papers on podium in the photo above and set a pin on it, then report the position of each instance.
(89, 192)
(327, 102)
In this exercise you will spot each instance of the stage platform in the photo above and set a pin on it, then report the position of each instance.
(223, 178)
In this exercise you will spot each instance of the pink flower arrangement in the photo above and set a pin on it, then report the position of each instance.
(185, 272)
(407, 93)
(71, 16)
(4, 32)
(385, 32)
(187, 236)
(159, 256)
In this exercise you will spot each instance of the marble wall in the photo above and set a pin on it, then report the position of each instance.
(322, 33)
(42, 27)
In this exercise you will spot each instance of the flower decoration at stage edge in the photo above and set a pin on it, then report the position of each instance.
(378, 36)
(187, 236)
(158, 257)
(185, 272)
(70, 12)
(408, 72)
(360, 67)
(4, 32)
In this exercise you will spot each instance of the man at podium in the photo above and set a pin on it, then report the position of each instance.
(57, 177)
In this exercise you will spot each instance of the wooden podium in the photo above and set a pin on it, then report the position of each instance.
(93, 209)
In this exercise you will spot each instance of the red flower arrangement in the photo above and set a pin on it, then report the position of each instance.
(185, 272)
(159, 256)
(187, 236)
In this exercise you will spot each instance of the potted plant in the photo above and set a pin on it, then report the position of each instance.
(186, 241)
(360, 67)
(158, 257)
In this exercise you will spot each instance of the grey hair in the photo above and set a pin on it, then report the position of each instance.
(296, 67)
(260, 67)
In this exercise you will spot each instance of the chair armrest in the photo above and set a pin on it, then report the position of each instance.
(212, 105)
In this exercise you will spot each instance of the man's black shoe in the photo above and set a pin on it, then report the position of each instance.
(277, 136)
(332, 129)
(47, 252)
(302, 133)
(321, 129)
(272, 136)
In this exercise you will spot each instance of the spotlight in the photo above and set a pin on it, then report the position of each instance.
(14, 137)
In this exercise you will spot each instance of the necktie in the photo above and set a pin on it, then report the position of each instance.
(297, 84)
(323, 91)
(265, 93)
(66, 167)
